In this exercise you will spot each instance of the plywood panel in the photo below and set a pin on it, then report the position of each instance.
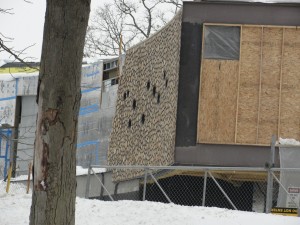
(270, 83)
(264, 88)
(249, 85)
(218, 101)
(290, 94)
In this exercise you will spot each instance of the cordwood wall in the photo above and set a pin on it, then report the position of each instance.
(144, 126)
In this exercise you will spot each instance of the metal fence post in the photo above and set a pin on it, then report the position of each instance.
(204, 189)
(286, 191)
(88, 180)
(145, 184)
(221, 189)
(270, 165)
(269, 199)
(162, 190)
(102, 185)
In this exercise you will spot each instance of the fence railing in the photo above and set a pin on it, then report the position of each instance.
(239, 188)
(17, 185)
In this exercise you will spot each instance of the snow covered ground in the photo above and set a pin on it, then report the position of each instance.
(79, 171)
(15, 209)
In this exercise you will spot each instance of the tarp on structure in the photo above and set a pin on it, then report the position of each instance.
(11, 86)
(289, 158)
(8, 91)
(27, 85)
(89, 114)
(222, 42)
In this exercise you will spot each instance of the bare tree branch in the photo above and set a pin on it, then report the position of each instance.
(8, 38)
(176, 3)
(6, 11)
(16, 54)
(11, 51)
(134, 20)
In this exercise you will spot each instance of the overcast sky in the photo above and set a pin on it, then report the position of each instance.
(25, 26)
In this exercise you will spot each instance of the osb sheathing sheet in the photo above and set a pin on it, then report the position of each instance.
(218, 100)
(249, 85)
(290, 93)
(257, 97)
(270, 85)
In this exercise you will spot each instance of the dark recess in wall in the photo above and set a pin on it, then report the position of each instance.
(187, 190)
(188, 89)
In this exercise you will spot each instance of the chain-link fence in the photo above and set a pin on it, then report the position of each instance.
(14, 187)
(247, 189)
(16, 184)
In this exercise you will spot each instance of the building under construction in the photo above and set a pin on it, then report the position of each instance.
(210, 89)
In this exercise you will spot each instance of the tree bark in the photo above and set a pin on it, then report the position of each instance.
(54, 192)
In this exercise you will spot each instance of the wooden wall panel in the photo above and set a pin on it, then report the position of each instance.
(247, 101)
(270, 85)
(218, 101)
(290, 94)
(249, 85)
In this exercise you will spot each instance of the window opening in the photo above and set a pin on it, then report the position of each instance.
(222, 42)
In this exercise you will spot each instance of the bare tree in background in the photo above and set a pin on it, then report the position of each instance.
(17, 55)
(134, 20)
(54, 189)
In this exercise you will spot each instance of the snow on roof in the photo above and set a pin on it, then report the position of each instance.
(13, 76)
(289, 141)
(84, 171)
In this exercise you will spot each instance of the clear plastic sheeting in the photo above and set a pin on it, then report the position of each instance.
(88, 139)
(26, 135)
(28, 85)
(8, 94)
(10, 87)
(107, 113)
(5, 143)
(289, 158)
(222, 42)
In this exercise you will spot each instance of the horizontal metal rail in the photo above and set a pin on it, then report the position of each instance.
(257, 169)
(201, 168)
(285, 169)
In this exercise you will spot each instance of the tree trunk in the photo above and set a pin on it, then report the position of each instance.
(54, 192)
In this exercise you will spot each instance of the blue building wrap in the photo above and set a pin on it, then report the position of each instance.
(5, 144)
(88, 138)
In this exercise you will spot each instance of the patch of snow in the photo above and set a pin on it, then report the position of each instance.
(2, 62)
(43, 185)
(287, 141)
(84, 171)
(21, 178)
(15, 189)
(13, 76)
(79, 172)
(90, 61)
(15, 210)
